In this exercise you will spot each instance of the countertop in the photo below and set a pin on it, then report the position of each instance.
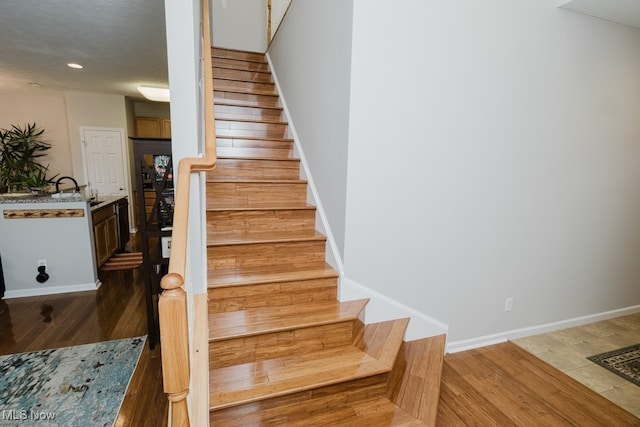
(21, 198)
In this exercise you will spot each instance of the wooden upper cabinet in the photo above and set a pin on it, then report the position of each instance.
(152, 127)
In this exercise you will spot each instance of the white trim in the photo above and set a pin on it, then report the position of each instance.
(332, 249)
(34, 292)
(486, 340)
(382, 308)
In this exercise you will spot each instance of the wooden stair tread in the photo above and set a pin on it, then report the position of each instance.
(251, 180)
(236, 117)
(256, 153)
(253, 276)
(380, 412)
(244, 238)
(263, 208)
(225, 103)
(374, 412)
(246, 90)
(251, 382)
(236, 324)
(264, 379)
(240, 55)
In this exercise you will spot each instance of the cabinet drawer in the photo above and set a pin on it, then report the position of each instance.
(102, 214)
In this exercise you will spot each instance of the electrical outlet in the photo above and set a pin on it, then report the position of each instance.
(508, 304)
(42, 263)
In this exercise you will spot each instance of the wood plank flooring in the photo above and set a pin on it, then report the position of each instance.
(503, 385)
(114, 311)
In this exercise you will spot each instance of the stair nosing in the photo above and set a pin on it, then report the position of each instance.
(232, 79)
(265, 159)
(256, 138)
(348, 317)
(263, 208)
(375, 367)
(247, 92)
(251, 61)
(317, 237)
(257, 181)
(275, 122)
(327, 273)
(229, 104)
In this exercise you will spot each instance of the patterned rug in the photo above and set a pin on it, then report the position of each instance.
(71, 386)
(624, 362)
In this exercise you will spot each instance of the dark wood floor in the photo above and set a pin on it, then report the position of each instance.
(503, 385)
(115, 311)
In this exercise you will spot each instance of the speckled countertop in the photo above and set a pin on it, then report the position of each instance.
(30, 198)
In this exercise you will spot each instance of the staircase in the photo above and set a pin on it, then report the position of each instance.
(282, 349)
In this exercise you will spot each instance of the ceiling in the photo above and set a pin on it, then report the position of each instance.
(120, 43)
(626, 12)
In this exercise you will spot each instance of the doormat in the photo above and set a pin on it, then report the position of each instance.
(82, 385)
(624, 362)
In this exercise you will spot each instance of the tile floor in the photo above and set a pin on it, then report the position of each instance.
(567, 350)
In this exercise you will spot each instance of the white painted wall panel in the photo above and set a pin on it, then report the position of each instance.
(494, 152)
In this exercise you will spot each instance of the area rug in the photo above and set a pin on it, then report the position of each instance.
(624, 362)
(71, 386)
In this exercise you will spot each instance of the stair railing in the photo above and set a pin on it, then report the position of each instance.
(172, 304)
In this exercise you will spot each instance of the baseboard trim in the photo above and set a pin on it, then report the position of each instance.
(34, 292)
(332, 252)
(457, 346)
(382, 308)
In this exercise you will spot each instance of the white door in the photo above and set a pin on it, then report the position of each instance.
(104, 160)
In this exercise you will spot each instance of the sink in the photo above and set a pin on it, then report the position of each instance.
(94, 202)
(65, 195)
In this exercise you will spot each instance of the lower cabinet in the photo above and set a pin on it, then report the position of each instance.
(105, 232)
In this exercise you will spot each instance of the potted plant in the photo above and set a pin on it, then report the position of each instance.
(21, 149)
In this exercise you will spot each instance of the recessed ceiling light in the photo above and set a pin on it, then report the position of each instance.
(74, 65)
(154, 93)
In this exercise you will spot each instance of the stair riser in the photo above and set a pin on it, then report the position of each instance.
(253, 76)
(225, 84)
(234, 64)
(265, 255)
(244, 195)
(230, 128)
(238, 55)
(230, 112)
(237, 298)
(230, 223)
(222, 142)
(278, 344)
(260, 153)
(296, 407)
(245, 99)
(257, 169)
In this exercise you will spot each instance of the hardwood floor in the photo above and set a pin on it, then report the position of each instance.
(503, 385)
(114, 311)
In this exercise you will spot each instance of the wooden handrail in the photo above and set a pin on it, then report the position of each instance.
(172, 304)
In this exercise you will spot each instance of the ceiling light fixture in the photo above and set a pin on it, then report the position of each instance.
(74, 65)
(154, 93)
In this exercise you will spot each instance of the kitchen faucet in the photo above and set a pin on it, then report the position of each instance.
(76, 190)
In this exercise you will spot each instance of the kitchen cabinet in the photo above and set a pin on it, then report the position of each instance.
(110, 221)
(152, 127)
(105, 233)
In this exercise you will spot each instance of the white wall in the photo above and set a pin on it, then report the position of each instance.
(311, 57)
(66, 244)
(47, 109)
(240, 24)
(494, 152)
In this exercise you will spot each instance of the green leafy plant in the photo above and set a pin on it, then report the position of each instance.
(21, 151)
